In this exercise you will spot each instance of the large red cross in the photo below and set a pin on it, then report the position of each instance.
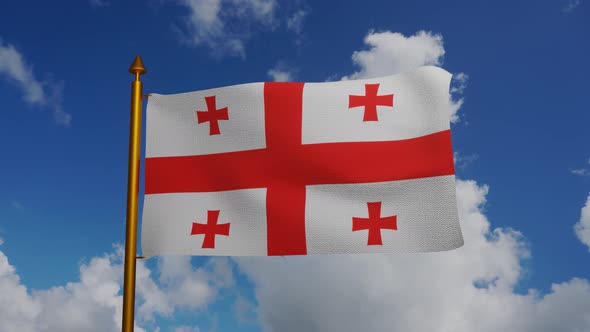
(370, 100)
(286, 166)
(375, 223)
(210, 229)
(212, 115)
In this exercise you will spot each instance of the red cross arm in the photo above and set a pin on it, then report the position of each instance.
(359, 224)
(326, 163)
(386, 100)
(206, 116)
(356, 101)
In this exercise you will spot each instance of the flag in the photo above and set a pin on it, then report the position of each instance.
(276, 168)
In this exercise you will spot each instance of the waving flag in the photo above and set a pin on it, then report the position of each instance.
(363, 166)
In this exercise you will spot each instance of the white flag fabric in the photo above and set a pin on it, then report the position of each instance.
(275, 168)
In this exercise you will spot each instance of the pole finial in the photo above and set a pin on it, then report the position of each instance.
(137, 66)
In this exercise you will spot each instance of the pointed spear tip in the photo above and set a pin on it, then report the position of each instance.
(137, 66)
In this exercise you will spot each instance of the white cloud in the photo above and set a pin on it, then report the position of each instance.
(392, 53)
(295, 21)
(13, 66)
(155, 299)
(208, 23)
(571, 6)
(205, 27)
(468, 289)
(583, 171)
(582, 228)
(454, 106)
(17, 309)
(458, 85)
(244, 310)
(15, 69)
(462, 161)
(180, 285)
(94, 303)
(461, 82)
(262, 10)
(222, 269)
(282, 72)
(184, 285)
(279, 75)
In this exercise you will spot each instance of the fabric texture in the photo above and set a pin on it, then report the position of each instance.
(362, 166)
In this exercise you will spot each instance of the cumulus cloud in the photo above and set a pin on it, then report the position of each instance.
(208, 23)
(94, 303)
(279, 75)
(393, 53)
(45, 94)
(582, 228)
(17, 309)
(468, 289)
(244, 310)
(282, 72)
(91, 304)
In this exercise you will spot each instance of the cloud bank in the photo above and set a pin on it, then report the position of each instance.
(94, 302)
(468, 289)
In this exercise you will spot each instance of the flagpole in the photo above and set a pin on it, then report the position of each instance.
(137, 68)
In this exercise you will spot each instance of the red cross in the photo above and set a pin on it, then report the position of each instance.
(370, 100)
(212, 115)
(210, 229)
(375, 223)
(286, 166)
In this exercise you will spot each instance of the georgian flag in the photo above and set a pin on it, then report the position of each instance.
(363, 166)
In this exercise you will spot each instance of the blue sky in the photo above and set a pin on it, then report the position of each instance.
(521, 141)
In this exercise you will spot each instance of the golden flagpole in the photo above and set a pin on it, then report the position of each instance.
(137, 68)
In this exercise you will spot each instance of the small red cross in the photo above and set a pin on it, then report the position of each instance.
(370, 100)
(375, 223)
(210, 229)
(212, 115)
